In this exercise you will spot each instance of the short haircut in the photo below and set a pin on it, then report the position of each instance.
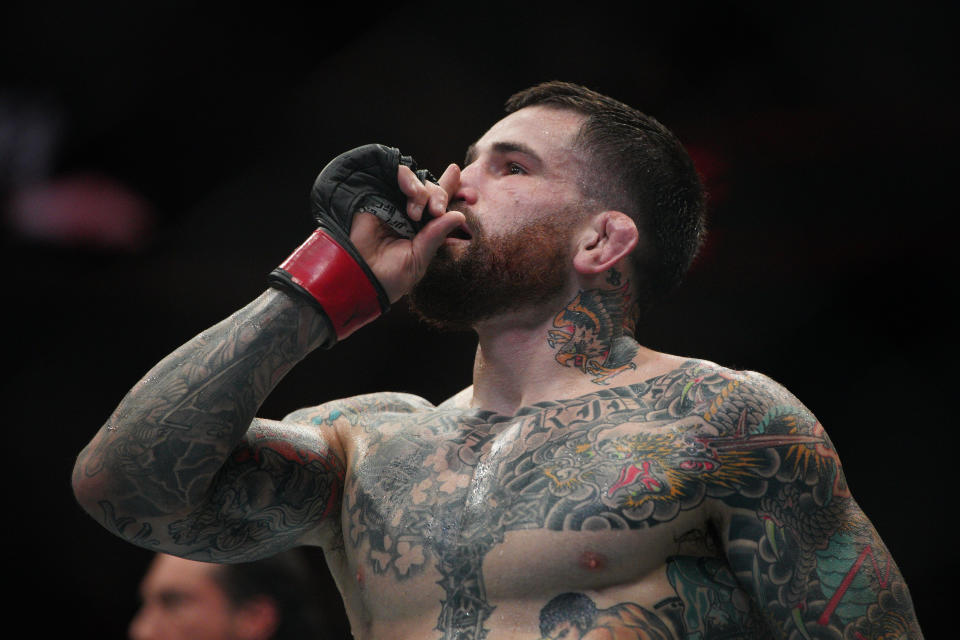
(635, 165)
(288, 581)
(575, 608)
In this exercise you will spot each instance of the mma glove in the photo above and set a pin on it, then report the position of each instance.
(327, 270)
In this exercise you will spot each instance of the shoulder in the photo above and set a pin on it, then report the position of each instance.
(351, 409)
(757, 430)
(740, 400)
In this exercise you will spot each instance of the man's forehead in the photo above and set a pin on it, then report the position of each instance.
(538, 130)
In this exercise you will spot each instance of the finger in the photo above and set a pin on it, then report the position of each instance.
(426, 243)
(417, 194)
(407, 181)
(446, 186)
(438, 199)
(450, 180)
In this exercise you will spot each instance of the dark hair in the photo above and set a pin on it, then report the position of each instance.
(286, 579)
(575, 608)
(637, 166)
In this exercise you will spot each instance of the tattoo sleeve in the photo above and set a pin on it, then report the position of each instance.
(801, 545)
(175, 467)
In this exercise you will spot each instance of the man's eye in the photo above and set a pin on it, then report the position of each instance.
(172, 600)
(514, 169)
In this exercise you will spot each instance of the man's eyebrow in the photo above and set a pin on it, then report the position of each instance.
(502, 147)
(515, 147)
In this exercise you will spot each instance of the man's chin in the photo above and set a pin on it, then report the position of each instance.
(439, 300)
(459, 299)
(455, 315)
(437, 323)
(470, 281)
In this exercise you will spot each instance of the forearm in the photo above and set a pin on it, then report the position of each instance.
(821, 570)
(162, 469)
(159, 451)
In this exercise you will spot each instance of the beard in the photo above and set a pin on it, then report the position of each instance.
(494, 275)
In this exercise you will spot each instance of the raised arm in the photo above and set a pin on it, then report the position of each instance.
(157, 473)
(797, 541)
(184, 466)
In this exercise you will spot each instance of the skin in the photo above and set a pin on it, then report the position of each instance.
(181, 600)
(684, 499)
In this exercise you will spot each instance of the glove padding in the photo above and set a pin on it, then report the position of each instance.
(327, 269)
(365, 179)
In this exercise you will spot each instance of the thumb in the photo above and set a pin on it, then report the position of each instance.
(426, 243)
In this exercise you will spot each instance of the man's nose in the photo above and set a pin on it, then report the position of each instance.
(467, 191)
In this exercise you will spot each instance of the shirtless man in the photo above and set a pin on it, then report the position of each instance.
(677, 498)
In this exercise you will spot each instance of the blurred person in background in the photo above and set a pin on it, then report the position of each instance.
(271, 599)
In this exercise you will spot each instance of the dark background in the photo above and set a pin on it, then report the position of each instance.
(155, 159)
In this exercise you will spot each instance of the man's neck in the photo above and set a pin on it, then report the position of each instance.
(583, 345)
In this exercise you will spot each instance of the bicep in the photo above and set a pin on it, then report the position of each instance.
(809, 556)
(280, 485)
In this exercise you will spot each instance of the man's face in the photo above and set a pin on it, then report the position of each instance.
(520, 194)
(181, 600)
(565, 631)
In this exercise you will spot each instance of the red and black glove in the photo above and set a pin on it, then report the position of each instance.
(327, 270)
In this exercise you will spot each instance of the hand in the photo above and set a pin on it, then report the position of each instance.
(352, 267)
(397, 262)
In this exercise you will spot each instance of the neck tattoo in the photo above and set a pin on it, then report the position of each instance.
(593, 331)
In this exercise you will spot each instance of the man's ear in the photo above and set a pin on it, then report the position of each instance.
(609, 237)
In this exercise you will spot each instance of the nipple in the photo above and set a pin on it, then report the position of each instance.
(360, 578)
(592, 561)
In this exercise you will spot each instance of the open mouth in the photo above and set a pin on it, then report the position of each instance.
(461, 233)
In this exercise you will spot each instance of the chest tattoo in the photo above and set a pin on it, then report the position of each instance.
(442, 494)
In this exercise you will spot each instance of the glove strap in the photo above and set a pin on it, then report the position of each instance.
(333, 280)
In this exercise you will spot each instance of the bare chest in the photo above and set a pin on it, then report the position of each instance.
(576, 490)
(463, 522)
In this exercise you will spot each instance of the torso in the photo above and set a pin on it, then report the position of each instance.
(460, 523)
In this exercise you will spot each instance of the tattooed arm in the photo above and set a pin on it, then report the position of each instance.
(183, 466)
(799, 543)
